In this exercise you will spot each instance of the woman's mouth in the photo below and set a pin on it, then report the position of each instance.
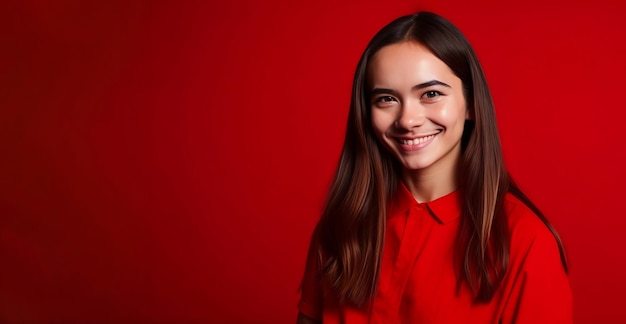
(416, 143)
(418, 140)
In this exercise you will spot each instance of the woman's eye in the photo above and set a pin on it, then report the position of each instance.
(386, 99)
(431, 94)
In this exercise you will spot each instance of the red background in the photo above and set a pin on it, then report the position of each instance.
(166, 161)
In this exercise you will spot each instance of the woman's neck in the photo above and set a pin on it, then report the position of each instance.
(428, 185)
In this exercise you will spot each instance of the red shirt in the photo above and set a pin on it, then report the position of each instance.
(417, 281)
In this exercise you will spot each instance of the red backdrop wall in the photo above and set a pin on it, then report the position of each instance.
(166, 161)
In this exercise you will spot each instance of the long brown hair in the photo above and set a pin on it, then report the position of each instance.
(352, 227)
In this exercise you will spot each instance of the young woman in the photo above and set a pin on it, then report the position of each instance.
(423, 223)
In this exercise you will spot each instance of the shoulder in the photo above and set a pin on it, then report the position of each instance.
(521, 219)
(311, 290)
(525, 226)
(537, 286)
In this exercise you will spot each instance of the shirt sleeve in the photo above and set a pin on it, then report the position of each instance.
(540, 290)
(311, 297)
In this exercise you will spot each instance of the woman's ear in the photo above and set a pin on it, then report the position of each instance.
(469, 114)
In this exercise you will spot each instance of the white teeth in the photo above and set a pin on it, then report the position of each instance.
(419, 140)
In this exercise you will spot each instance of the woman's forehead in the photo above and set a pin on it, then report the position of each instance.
(404, 63)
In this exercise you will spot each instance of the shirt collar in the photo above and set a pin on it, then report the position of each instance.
(444, 209)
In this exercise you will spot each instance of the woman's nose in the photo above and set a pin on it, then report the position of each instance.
(411, 115)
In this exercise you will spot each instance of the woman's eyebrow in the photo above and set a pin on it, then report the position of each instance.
(430, 84)
(377, 91)
(427, 84)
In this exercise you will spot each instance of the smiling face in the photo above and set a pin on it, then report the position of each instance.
(418, 109)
